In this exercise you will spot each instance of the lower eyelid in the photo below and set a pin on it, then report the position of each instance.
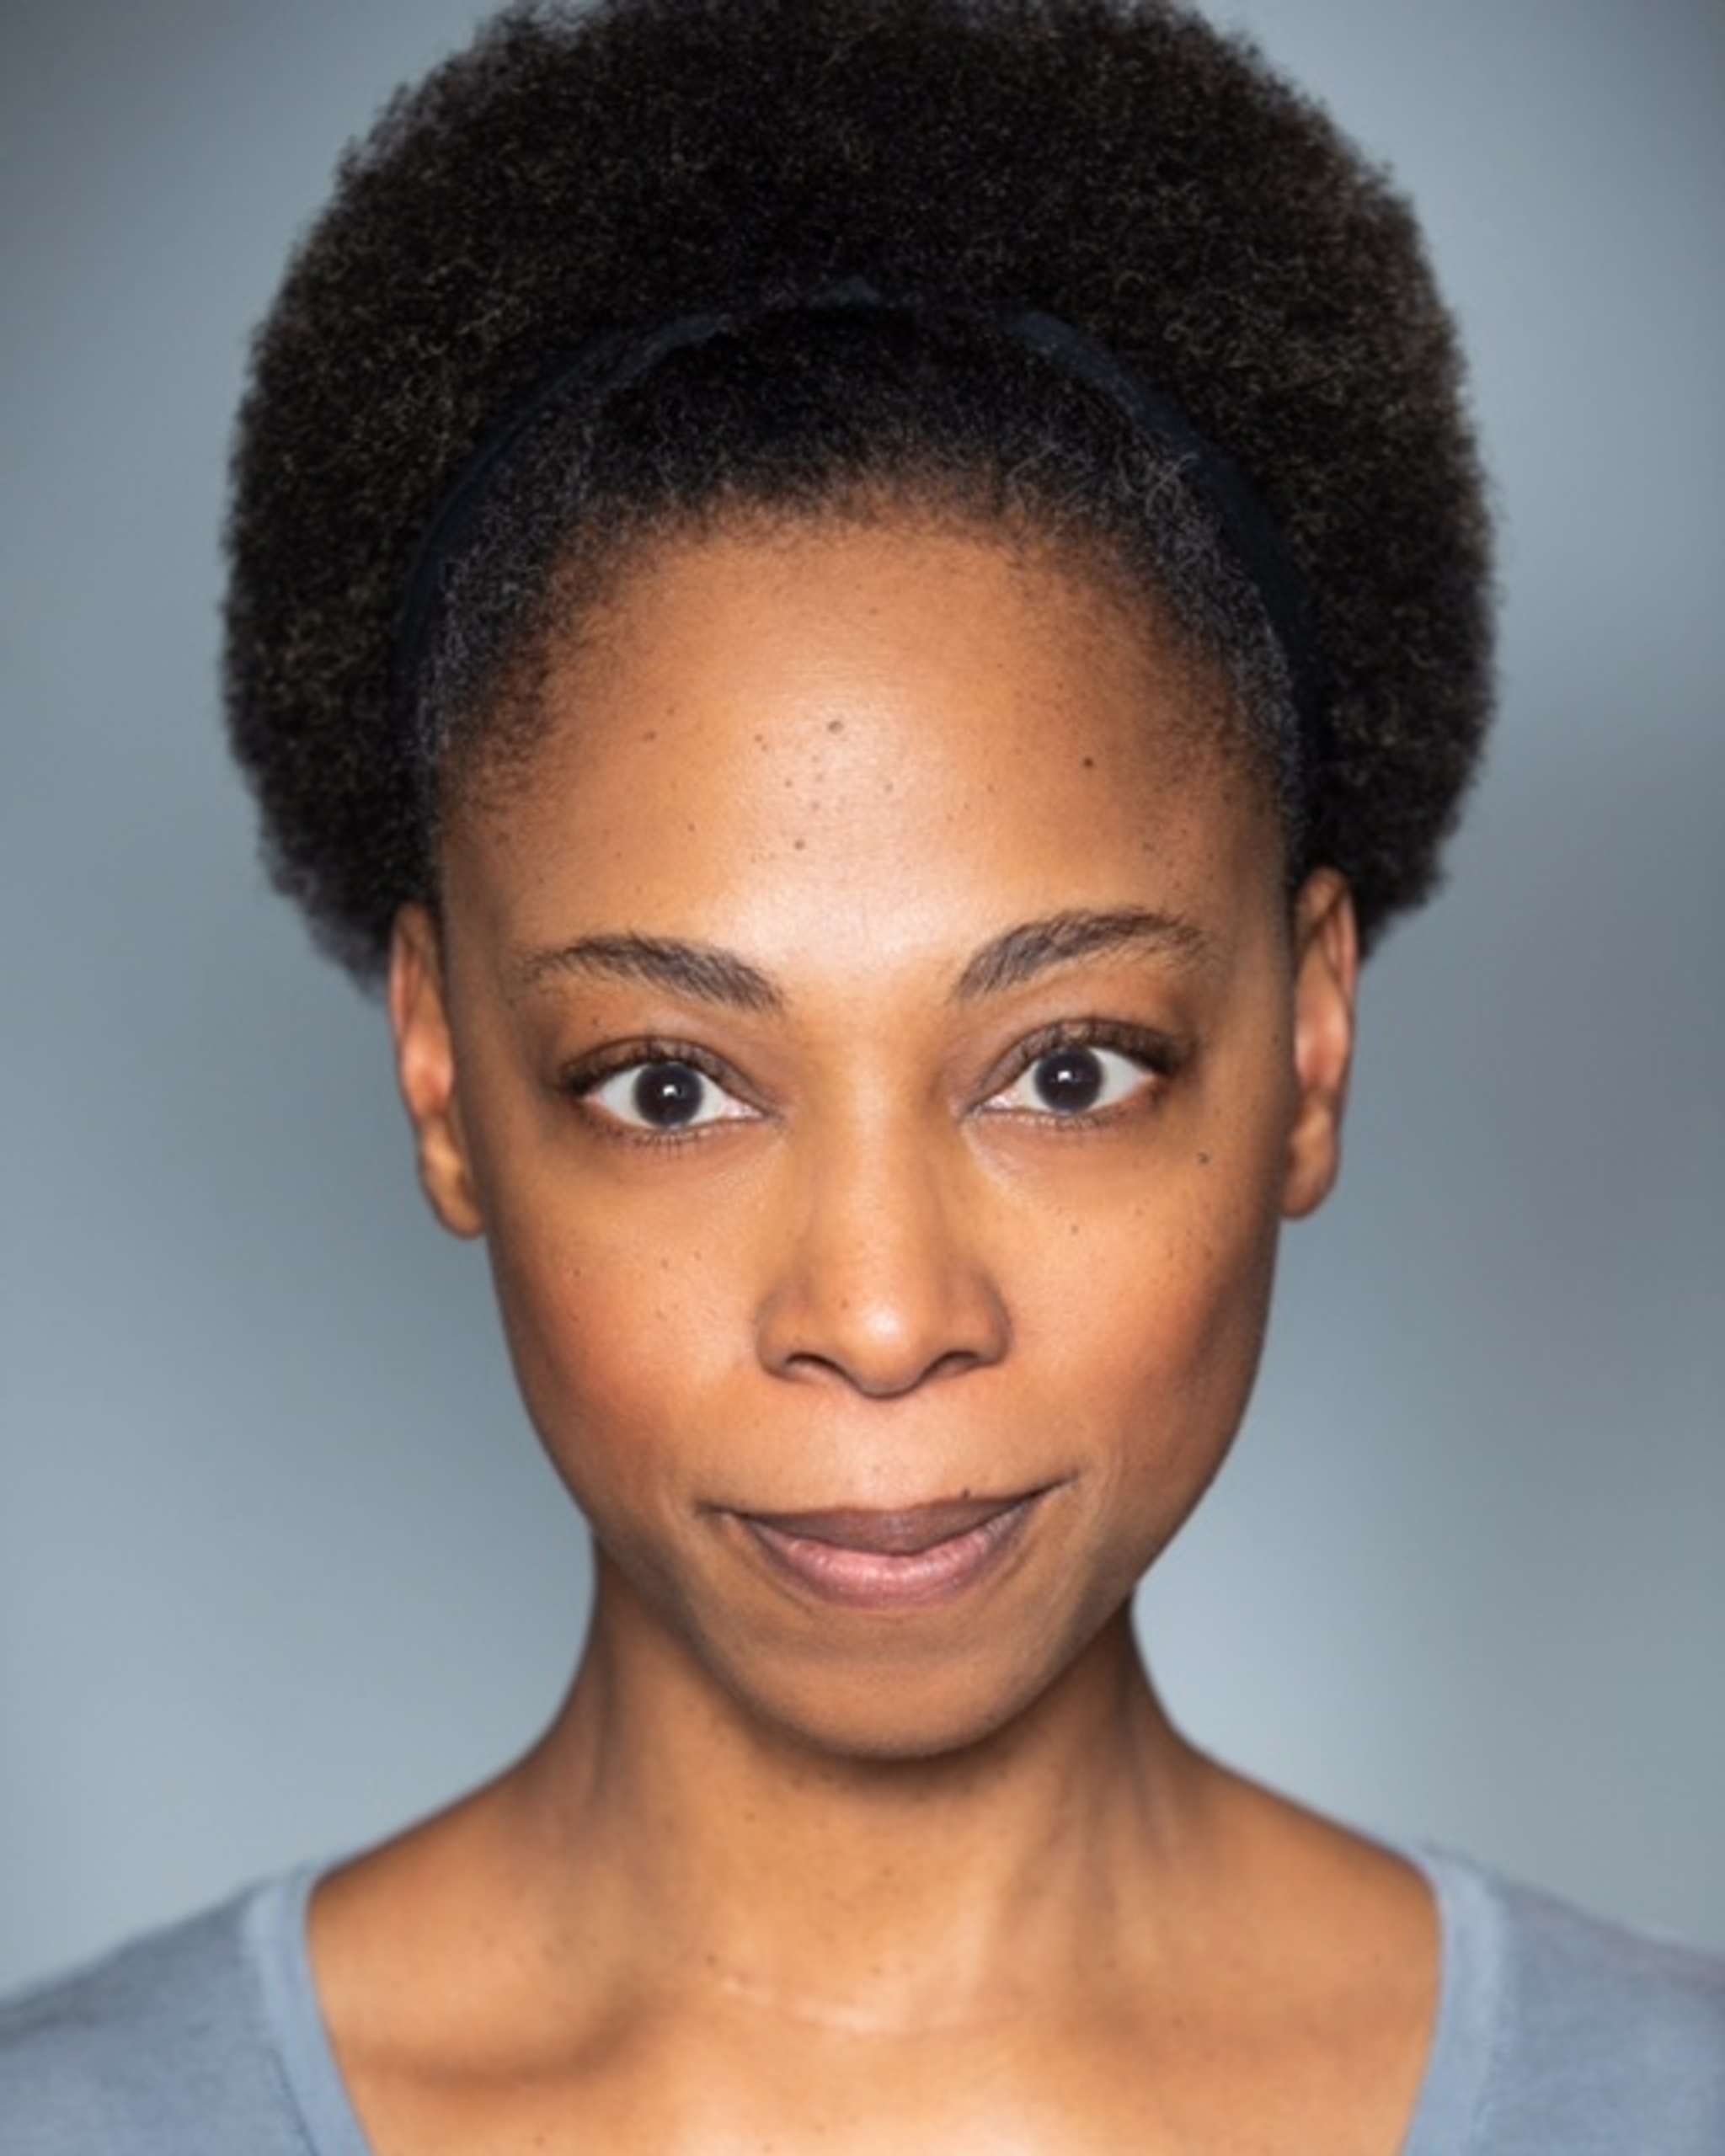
(719, 1104)
(1138, 1060)
(1141, 1081)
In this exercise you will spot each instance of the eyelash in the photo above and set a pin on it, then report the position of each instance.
(582, 1080)
(1156, 1054)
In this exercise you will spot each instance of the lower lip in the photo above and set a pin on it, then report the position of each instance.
(873, 1579)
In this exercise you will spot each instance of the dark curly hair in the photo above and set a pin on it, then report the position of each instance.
(577, 179)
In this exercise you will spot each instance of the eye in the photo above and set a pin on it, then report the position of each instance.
(1077, 1078)
(664, 1097)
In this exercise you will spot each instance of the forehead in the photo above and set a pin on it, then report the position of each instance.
(890, 720)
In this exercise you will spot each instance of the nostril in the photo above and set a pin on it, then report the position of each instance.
(956, 1361)
(877, 1381)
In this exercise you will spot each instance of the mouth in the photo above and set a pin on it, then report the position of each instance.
(909, 1560)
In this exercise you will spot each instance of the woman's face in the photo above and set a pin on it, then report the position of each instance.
(870, 1032)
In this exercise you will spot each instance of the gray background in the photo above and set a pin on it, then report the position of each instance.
(279, 1566)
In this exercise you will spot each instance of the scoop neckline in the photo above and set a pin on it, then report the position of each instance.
(1470, 1960)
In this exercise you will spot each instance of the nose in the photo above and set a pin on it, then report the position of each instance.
(879, 1280)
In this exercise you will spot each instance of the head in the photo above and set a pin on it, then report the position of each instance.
(870, 1027)
(869, 841)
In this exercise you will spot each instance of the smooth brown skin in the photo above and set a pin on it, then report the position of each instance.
(785, 1876)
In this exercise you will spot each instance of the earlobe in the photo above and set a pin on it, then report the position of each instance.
(425, 1064)
(1325, 981)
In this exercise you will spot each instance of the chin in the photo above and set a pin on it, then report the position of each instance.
(886, 1732)
(899, 1708)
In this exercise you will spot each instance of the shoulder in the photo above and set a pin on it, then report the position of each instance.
(164, 2045)
(1559, 2030)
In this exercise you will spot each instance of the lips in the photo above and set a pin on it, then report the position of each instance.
(885, 1560)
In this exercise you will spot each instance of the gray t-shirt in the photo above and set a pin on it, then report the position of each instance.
(1557, 2036)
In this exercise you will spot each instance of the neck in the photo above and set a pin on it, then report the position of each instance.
(870, 1892)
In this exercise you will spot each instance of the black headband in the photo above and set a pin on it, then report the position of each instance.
(611, 363)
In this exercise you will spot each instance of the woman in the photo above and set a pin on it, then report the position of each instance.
(864, 607)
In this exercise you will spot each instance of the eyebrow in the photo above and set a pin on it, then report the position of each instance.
(701, 971)
(1061, 939)
(711, 974)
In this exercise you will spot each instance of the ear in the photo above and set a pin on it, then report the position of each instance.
(1326, 980)
(425, 1066)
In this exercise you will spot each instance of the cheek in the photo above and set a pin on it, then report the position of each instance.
(605, 1292)
(1157, 1327)
(622, 1352)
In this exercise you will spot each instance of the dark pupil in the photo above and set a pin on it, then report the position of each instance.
(1069, 1080)
(667, 1094)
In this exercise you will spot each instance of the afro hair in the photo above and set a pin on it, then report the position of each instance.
(1117, 164)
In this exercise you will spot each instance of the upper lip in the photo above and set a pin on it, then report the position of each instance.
(890, 1534)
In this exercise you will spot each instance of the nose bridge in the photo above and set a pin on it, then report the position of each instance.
(882, 1276)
